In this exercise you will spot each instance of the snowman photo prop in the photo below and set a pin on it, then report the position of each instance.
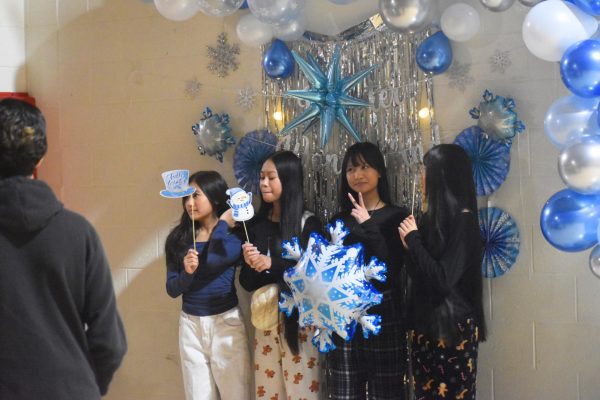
(330, 287)
(241, 203)
(177, 186)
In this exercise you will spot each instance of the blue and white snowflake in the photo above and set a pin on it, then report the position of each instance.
(330, 287)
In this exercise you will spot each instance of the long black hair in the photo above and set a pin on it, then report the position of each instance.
(289, 171)
(214, 187)
(449, 190)
(357, 154)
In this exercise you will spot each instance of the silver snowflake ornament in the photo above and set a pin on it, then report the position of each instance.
(459, 75)
(330, 287)
(500, 61)
(223, 57)
(192, 88)
(246, 98)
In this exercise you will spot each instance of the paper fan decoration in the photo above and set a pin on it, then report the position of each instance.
(250, 154)
(490, 159)
(501, 236)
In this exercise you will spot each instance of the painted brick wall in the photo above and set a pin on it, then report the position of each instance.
(110, 76)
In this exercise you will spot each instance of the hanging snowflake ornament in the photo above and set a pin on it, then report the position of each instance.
(246, 98)
(223, 57)
(459, 75)
(497, 117)
(192, 88)
(213, 134)
(328, 96)
(500, 61)
(330, 287)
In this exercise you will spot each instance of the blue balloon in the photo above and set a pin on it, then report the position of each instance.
(580, 68)
(244, 5)
(591, 7)
(278, 61)
(434, 54)
(569, 220)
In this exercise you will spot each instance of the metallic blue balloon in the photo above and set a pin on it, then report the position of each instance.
(434, 54)
(244, 5)
(580, 68)
(278, 61)
(569, 220)
(591, 7)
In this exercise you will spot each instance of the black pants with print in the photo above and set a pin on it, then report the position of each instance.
(443, 371)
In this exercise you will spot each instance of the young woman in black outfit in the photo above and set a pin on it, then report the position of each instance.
(286, 362)
(445, 266)
(376, 365)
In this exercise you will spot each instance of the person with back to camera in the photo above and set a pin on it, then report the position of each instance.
(286, 362)
(376, 365)
(445, 251)
(212, 336)
(61, 336)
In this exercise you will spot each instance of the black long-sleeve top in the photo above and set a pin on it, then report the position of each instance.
(448, 288)
(266, 236)
(380, 238)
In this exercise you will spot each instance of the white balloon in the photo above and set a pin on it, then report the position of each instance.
(276, 11)
(291, 30)
(552, 26)
(176, 10)
(460, 22)
(252, 32)
(219, 8)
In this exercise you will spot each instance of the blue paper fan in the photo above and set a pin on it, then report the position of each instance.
(250, 154)
(501, 236)
(490, 159)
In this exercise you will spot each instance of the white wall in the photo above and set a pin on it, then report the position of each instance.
(109, 75)
(12, 46)
(544, 314)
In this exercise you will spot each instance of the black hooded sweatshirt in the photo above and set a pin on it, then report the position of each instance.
(61, 336)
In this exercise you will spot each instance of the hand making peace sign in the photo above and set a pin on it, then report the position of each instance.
(359, 212)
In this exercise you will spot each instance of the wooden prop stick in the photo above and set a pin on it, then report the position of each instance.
(245, 230)
(412, 204)
(193, 225)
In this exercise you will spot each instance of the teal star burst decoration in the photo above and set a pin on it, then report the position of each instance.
(328, 96)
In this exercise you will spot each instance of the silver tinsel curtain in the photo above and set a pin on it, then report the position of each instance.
(396, 90)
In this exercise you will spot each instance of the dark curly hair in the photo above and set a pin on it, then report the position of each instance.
(22, 138)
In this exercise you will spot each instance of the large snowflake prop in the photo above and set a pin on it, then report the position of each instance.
(328, 96)
(223, 57)
(330, 287)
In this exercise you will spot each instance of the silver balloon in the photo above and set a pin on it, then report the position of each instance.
(579, 165)
(406, 16)
(219, 8)
(529, 3)
(276, 11)
(291, 30)
(595, 261)
(497, 5)
(176, 10)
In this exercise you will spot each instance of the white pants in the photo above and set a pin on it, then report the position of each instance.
(214, 356)
(281, 375)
